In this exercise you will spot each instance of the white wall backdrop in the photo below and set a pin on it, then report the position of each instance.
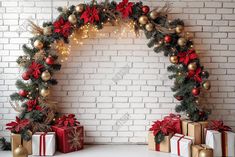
(115, 79)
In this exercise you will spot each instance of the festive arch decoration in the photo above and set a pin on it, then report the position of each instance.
(41, 59)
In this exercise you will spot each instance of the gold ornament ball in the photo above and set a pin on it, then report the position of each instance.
(182, 41)
(46, 76)
(143, 20)
(79, 8)
(20, 152)
(45, 92)
(149, 27)
(153, 15)
(72, 19)
(206, 85)
(206, 153)
(47, 30)
(38, 44)
(179, 29)
(174, 59)
(192, 66)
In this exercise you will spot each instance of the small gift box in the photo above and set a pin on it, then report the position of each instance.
(195, 129)
(176, 119)
(181, 145)
(221, 139)
(163, 146)
(69, 134)
(17, 140)
(43, 143)
(202, 150)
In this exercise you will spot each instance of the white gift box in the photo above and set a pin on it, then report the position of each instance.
(43, 143)
(181, 145)
(214, 140)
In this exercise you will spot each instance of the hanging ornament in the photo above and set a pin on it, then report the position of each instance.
(72, 19)
(143, 20)
(206, 85)
(38, 44)
(167, 38)
(179, 29)
(47, 30)
(182, 41)
(145, 9)
(46, 76)
(179, 98)
(26, 75)
(195, 91)
(149, 27)
(79, 8)
(23, 93)
(49, 60)
(206, 152)
(174, 59)
(192, 66)
(20, 152)
(153, 15)
(44, 92)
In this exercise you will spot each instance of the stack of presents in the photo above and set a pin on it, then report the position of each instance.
(185, 138)
(67, 135)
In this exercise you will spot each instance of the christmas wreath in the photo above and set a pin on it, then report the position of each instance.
(41, 58)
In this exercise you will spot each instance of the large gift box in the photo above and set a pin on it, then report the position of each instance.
(43, 144)
(198, 150)
(176, 120)
(195, 129)
(163, 146)
(181, 145)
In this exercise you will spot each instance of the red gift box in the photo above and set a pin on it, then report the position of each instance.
(176, 119)
(69, 139)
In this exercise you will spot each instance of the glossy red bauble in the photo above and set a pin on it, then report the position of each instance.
(195, 91)
(49, 60)
(145, 9)
(26, 75)
(167, 39)
(23, 93)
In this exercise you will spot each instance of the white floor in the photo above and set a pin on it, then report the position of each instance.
(108, 151)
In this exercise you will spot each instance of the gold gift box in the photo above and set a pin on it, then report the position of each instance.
(164, 146)
(207, 151)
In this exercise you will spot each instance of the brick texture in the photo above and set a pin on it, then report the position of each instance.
(114, 84)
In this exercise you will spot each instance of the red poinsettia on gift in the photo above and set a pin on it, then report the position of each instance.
(69, 120)
(35, 69)
(195, 74)
(62, 27)
(125, 7)
(18, 125)
(186, 57)
(90, 15)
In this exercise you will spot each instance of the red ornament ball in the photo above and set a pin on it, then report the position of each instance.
(179, 98)
(26, 75)
(167, 38)
(195, 91)
(145, 9)
(49, 60)
(23, 93)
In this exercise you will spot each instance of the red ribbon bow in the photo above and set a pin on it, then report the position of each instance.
(18, 125)
(218, 125)
(164, 126)
(69, 120)
(195, 74)
(35, 69)
(185, 57)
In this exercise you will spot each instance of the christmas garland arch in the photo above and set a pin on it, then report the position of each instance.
(41, 59)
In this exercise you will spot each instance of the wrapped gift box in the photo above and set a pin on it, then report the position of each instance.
(44, 144)
(195, 130)
(181, 145)
(177, 120)
(164, 146)
(69, 139)
(196, 149)
(223, 143)
(16, 141)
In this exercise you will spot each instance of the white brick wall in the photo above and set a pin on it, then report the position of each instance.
(86, 87)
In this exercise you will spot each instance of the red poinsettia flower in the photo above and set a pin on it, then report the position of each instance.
(62, 27)
(186, 57)
(125, 8)
(38, 108)
(69, 120)
(195, 75)
(165, 127)
(31, 104)
(34, 69)
(90, 15)
(18, 125)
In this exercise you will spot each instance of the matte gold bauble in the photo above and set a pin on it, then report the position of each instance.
(46, 76)
(206, 153)
(72, 19)
(182, 41)
(179, 29)
(143, 20)
(149, 27)
(206, 85)
(192, 66)
(47, 30)
(153, 15)
(44, 92)
(20, 152)
(79, 8)
(38, 44)
(174, 59)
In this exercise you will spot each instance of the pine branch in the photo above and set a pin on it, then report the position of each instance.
(4, 145)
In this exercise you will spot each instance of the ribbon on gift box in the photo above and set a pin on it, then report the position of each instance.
(42, 146)
(67, 121)
(178, 142)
